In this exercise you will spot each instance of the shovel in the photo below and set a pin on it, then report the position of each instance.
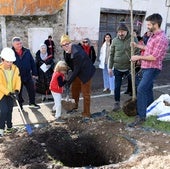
(67, 103)
(28, 127)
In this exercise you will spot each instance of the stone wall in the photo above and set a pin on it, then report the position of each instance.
(19, 25)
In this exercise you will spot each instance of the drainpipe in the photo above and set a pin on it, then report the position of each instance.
(3, 31)
(67, 16)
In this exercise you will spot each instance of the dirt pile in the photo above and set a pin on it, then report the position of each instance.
(100, 142)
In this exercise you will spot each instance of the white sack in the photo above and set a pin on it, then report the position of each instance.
(158, 106)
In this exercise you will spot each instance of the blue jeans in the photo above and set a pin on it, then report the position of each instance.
(108, 81)
(145, 90)
(118, 81)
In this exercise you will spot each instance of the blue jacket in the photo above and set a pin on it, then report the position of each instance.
(26, 65)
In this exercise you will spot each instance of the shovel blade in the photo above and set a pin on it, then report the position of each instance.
(28, 128)
(68, 104)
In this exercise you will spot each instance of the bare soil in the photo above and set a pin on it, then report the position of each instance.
(99, 143)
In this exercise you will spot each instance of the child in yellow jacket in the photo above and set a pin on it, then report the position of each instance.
(10, 84)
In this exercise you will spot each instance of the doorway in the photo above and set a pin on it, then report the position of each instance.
(110, 19)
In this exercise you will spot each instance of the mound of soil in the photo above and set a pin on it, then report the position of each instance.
(100, 142)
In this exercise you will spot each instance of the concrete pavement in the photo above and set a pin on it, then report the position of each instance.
(99, 101)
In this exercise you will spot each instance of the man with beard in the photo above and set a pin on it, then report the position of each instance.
(120, 60)
(151, 64)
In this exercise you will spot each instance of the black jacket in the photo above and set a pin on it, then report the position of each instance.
(44, 78)
(26, 65)
(80, 64)
(92, 53)
(50, 50)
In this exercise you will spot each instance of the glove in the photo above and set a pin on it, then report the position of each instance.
(67, 86)
(12, 95)
(16, 93)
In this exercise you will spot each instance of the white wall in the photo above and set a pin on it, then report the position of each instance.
(84, 15)
(37, 36)
(84, 19)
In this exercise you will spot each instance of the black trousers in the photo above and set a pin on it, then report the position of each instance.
(30, 87)
(6, 107)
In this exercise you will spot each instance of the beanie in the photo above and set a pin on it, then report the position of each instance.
(122, 27)
(64, 39)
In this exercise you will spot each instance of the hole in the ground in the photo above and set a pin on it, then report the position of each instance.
(71, 148)
(89, 149)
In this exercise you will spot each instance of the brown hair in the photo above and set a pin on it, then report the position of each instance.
(155, 18)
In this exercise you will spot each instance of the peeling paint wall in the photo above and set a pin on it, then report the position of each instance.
(30, 7)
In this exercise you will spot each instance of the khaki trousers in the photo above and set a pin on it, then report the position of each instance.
(85, 89)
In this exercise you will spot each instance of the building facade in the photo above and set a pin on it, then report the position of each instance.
(94, 18)
(34, 20)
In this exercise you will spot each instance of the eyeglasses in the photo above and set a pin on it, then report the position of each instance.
(85, 41)
(66, 44)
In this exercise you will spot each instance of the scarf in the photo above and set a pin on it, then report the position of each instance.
(86, 49)
(43, 56)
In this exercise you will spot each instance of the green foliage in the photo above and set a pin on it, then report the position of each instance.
(121, 116)
(151, 122)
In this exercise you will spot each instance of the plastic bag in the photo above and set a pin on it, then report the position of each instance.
(160, 108)
(164, 116)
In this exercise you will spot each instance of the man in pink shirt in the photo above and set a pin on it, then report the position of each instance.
(151, 64)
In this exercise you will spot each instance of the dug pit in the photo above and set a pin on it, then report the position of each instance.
(73, 145)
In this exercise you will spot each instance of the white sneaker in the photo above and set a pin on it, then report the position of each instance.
(1, 132)
(112, 92)
(104, 90)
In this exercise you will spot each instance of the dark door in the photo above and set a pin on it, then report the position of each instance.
(109, 20)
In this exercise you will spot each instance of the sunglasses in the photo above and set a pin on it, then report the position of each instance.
(66, 44)
(85, 41)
